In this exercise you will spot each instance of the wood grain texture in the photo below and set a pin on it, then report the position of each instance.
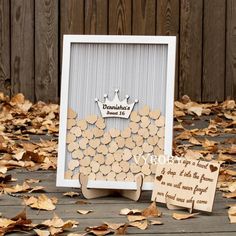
(120, 17)
(190, 64)
(96, 15)
(5, 81)
(46, 50)
(231, 50)
(214, 50)
(167, 23)
(71, 19)
(143, 17)
(22, 47)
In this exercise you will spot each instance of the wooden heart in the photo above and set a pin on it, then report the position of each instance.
(114, 132)
(71, 114)
(144, 111)
(71, 123)
(94, 143)
(154, 114)
(82, 124)
(106, 138)
(134, 117)
(91, 119)
(213, 168)
(159, 177)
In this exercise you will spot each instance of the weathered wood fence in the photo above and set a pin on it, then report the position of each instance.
(31, 38)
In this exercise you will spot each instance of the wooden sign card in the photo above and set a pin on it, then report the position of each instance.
(116, 109)
(186, 183)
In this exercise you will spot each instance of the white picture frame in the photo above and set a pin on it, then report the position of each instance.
(68, 40)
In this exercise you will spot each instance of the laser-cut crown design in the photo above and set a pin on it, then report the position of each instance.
(115, 108)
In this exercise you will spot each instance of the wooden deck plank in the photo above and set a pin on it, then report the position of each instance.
(231, 50)
(120, 17)
(190, 64)
(5, 74)
(46, 50)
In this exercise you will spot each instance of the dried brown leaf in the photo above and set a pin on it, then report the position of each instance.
(151, 211)
(183, 216)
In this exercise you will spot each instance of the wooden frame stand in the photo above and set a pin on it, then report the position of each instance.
(96, 193)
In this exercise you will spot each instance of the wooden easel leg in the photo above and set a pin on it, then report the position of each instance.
(173, 207)
(134, 194)
(92, 193)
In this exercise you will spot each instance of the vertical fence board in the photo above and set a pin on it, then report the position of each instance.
(167, 23)
(143, 17)
(190, 65)
(96, 15)
(119, 17)
(5, 80)
(231, 50)
(214, 50)
(22, 47)
(71, 21)
(46, 50)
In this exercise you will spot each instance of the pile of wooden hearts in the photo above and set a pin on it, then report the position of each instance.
(109, 155)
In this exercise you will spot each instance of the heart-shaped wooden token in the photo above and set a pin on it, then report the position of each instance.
(88, 133)
(100, 123)
(71, 123)
(161, 132)
(144, 122)
(82, 124)
(134, 117)
(144, 132)
(154, 114)
(157, 151)
(144, 111)
(135, 168)
(114, 132)
(125, 166)
(102, 149)
(73, 164)
(70, 138)
(83, 143)
(111, 176)
(134, 127)
(112, 147)
(76, 131)
(116, 167)
(91, 119)
(159, 177)
(137, 151)
(92, 176)
(89, 151)
(109, 159)
(129, 177)
(146, 169)
(99, 158)
(71, 114)
(118, 155)
(85, 161)
(95, 166)
(94, 143)
(105, 169)
(100, 176)
(77, 154)
(120, 142)
(138, 140)
(129, 143)
(72, 146)
(160, 122)
(161, 143)
(97, 132)
(68, 174)
(126, 133)
(152, 140)
(152, 129)
(127, 154)
(106, 138)
(120, 176)
(213, 168)
(147, 148)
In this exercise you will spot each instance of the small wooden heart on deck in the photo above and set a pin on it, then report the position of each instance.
(213, 168)
(159, 178)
